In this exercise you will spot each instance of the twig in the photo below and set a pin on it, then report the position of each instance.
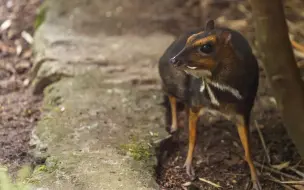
(298, 54)
(297, 164)
(204, 7)
(296, 171)
(276, 171)
(298, 49)
(209, 182)
(263, 142)
(279, 182)
(301, 64)
(293, 182)
(298, 46)
(186, 185)
(294, 28)
(244, 10)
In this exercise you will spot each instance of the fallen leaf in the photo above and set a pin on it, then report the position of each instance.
(9, 4)
(209, 182)
(18, 49)
(6, 49)
(273, 100)
(5, 25)
(186, 184)
(27, 37)
(27, 54)
(298, 187)
(12, 33)
(22, 66)
(281, 166)
(62, 109)
(26, 82)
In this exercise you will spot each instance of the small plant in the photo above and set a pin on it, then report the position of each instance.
(6, 183)
(41, 13)
(139, 151)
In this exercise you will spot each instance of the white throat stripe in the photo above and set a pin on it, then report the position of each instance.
(223, 87)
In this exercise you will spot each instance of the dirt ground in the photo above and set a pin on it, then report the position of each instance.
(218, 155)
(19, 110)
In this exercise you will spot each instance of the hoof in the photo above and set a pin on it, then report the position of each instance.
(171, 129)
(256, 185)
(190, 171)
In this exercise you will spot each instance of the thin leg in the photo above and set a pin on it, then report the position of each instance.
(193, 117)
(244, 136)
(173, 127)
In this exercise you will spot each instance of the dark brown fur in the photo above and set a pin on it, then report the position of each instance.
(239, 69)
(230, 62)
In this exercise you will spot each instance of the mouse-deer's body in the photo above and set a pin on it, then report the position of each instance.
(212, 68)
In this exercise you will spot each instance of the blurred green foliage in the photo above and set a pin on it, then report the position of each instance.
(6, 183)
(41, 13)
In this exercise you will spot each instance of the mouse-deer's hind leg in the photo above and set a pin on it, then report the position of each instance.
(243, 130)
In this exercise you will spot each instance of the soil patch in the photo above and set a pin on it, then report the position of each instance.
(219, 154)
(19, 109)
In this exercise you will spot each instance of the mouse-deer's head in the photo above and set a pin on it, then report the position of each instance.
(203, 51)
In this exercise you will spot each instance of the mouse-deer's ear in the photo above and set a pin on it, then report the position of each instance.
(209, 25)
(225, 37)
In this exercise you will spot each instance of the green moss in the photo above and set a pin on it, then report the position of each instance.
(24, 173)
(6, 183)
(42, 168)
(41, 13)
(51, 164)
(138, 150)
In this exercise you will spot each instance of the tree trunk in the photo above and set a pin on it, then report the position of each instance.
(280, 66)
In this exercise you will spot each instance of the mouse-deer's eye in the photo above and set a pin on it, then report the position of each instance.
(206, 48)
